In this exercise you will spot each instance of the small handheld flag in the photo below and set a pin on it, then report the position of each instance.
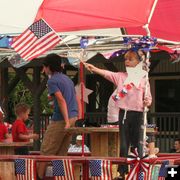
(35, 40)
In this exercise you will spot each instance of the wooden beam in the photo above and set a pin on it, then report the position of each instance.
(13, 84)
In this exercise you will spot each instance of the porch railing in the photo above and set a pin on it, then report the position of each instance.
(168, 126)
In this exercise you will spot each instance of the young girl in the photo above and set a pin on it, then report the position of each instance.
(19, 130)
(131, 100)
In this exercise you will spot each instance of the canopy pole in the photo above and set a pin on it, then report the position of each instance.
(82, 94)
(152, 11)
(145, 107)
(146, 62)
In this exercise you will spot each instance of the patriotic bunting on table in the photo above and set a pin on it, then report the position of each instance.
(36, 40)
(140, 174)
(139, 165)
(63, 169)
(100, 169)
(25, 169)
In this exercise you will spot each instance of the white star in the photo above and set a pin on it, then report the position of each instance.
(86, 92)
(135, 74)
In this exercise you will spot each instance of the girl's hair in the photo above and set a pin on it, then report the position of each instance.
(134, 54)
(53, 61)
(21, 107)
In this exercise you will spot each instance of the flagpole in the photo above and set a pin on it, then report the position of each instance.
(146, 62)
(147, 78)
(82, 93)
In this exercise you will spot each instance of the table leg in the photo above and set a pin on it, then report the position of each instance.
(99, 144)
(7, 170)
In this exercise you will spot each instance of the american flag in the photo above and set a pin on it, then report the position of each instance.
(35, 40)
(163, 170)
(100, 169)
(25, 169)
(63, 169)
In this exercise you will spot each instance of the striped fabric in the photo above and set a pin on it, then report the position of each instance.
(100, 169)
(63, 169)
(35, 40)
(25, 169)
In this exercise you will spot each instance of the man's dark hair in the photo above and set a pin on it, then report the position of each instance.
(53, 61)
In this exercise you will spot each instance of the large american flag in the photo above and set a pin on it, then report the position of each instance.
(163, 170)
(35, 40)
(63, 169)
(25, 169)
(100, 169)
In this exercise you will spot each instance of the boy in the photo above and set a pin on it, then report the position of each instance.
(56, 140)
(19, 130)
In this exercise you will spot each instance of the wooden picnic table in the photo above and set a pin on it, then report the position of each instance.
(104, 140)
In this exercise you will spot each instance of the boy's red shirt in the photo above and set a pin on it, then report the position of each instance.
(18, 128)
(3, 131)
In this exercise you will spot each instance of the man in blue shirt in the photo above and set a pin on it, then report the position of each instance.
(56, 140)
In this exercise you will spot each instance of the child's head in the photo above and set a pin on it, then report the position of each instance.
(132, 58)
(52, 63)
(22, 111)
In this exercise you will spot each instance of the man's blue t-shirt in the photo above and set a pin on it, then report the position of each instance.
(61, 82)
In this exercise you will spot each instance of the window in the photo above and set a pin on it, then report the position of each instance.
(167, 95)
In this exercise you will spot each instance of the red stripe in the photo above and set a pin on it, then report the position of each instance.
(20, 38)
(20, 43)
(44, 49)
(32, 49)
(36, 43)
(27, 45)
(23, 44)
(29, 48)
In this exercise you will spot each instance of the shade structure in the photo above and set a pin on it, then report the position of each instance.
(69, 15)
(165, 22)
(91, 14)
(131, 14)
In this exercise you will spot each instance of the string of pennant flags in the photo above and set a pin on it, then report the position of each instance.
(39, 38)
